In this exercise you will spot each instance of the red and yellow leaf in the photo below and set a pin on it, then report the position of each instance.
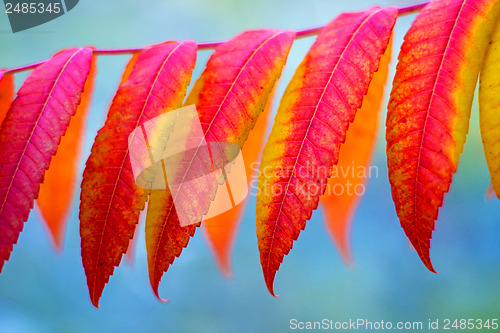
(429, 109)
(220, 231)
(6, 93)
(229, 96)
(311, 123)
(347, 184)
(110, 199)
(489, 111)
(59, 185)
(30, 135)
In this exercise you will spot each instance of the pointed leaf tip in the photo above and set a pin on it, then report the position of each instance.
(270, 285)
(157, 294)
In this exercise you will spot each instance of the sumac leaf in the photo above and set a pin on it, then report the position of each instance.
(429, 109)
(311, 123)
(110, 199)
(60, 182)
(229, 97)
(30, 134)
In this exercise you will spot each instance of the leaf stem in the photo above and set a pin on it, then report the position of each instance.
(211, 45)
(117, 51)
(412, 9)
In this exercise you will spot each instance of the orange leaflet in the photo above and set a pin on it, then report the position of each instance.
(490, 192)
(429, 109)
(312, 120)
(31, 133)
(129, 67)
(130, 254)
(59, 185)
(6, 93)
(110, 199)
(220, 231)
(347, 184)
(233, 91)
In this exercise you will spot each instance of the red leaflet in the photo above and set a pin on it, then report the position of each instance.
(6, 93)
(110, 199)
(230, 95)
(311, 124)
(348, 180)
(31, 133)
(59, 185)
(429, 109)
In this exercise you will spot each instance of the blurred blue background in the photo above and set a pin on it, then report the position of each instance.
(45, 291)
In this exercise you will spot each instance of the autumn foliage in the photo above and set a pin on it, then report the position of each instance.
(326, 121)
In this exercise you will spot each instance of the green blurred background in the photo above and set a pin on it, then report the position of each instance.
(45, 291)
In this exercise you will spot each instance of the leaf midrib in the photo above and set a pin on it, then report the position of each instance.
(428, 110)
